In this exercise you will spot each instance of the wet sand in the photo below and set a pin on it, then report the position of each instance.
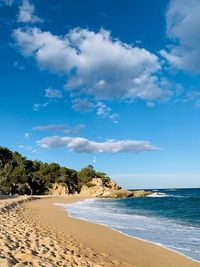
(39, 233)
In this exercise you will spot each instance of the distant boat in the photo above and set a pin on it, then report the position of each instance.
(94, 160)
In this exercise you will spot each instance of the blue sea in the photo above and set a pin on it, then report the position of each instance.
(169, 218)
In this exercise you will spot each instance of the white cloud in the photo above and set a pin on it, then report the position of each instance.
(57, 127)
(26, 13)
(183, 20)
(179, 89)
(53, 93)
(7, 2)
(106, 112)
(95, 64)
(36, 107)
(82, 105)
(60, 127)
(28, 148)
(194, 96)
(18, 65)
(83, 145)
(150, 104)
(27, 135)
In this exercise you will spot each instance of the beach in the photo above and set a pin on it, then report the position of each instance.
(38, 233)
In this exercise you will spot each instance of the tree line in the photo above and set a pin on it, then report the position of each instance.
(19, 175)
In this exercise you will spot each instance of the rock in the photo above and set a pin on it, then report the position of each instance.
(109, 189)
(58, 189)
(141, 193)
(121, 193)
(113, 185)
(93, 191)
(97, 182)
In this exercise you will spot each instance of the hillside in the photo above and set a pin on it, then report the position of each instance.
(21, 176)
(18, 175)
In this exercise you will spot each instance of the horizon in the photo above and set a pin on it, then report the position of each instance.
(111, 84)
(166, 188)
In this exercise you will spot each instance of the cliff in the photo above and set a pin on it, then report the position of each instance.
(58, 189)
(97, 188)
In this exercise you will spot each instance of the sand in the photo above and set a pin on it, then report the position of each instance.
(38, 233)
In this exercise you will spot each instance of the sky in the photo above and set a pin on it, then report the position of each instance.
(110, 83)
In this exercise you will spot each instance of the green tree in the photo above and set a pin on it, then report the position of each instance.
(6, 179)
(19, 175)
(85, 175)
(69, 177)
(5, 156)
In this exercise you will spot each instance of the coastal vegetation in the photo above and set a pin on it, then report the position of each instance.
(19, 175)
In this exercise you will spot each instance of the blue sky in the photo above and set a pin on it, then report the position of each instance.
(114, 80)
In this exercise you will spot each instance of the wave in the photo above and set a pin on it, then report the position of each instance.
(164, 231)
(158, 195)
(161, 194)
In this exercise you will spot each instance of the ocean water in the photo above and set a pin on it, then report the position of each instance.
(170, 218)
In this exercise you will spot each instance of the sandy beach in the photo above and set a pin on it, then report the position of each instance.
(38, 233)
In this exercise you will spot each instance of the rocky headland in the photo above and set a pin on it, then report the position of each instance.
(109, 189)
(21, 176)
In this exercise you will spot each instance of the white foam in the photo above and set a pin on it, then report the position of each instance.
(158, 195)
(167, 233)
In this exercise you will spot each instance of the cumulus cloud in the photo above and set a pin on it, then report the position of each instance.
(53, 93)
(106, 112)
(95, 64)
(26, 13)
(60, 127)
(83, 145)
(82, 105)
(183, 20)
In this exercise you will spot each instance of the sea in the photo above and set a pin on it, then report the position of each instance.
(169, 218)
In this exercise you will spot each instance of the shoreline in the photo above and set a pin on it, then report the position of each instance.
(77, 242)
(126, 249)
(135, 237)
